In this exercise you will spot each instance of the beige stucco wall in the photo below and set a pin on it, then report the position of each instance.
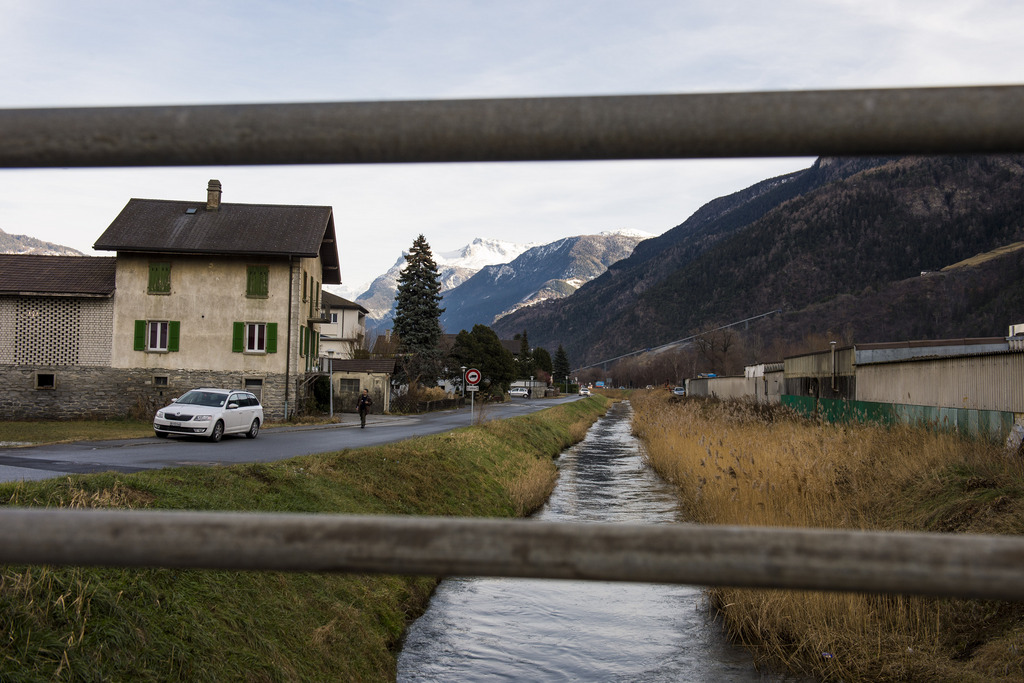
(378, 385)
(344, 336)
(207, 296)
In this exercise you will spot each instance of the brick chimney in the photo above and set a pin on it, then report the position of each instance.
(213, 196)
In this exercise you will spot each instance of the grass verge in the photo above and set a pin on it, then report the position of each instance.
(36, 432)
(75, 623)
(744, 464)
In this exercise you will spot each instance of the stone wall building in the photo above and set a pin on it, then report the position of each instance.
(198, 294)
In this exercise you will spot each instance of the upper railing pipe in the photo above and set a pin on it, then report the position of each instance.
(817, 559)
(765, 124)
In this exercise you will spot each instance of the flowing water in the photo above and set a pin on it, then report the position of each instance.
(481, 629)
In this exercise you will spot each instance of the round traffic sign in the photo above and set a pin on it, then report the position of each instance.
(472, 376)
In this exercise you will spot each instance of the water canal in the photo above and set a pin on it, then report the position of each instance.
(482, 629)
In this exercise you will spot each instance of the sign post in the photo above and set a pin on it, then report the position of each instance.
(472, 380)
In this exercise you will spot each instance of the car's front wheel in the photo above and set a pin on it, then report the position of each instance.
(254, 429)
(218, 432)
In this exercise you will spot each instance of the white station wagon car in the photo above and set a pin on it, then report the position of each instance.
(521, 392)
(210, 413)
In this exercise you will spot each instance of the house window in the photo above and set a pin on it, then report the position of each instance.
(305, 284)
(159, 277)
(46, 380)
(254, 338)
(160, 380)
(334, 318)
(257, 281)
(348, 386)
(254, 385)
(157, 335)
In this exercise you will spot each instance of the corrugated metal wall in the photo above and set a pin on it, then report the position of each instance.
(731, 387)
(993, 382)
(698, 386)
(820, 364)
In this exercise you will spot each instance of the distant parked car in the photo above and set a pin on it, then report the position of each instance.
(679, 391)
(210, 413)
(519, 392)
(584, 391)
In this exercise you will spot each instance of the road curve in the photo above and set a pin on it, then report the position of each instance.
(275, 443)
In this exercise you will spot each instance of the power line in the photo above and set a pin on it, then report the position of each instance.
(677, 342)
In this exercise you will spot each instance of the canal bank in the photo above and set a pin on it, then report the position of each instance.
(738, 463)
(160, 624)
(547, 630)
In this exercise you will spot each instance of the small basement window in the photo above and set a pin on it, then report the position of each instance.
(254, 386)
(46, 380)
(160, 380)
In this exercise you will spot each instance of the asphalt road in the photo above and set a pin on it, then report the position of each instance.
(276, 443)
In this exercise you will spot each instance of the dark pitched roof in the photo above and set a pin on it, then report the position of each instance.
(335, 301)
(186, 227)
(385, 365)
(71, 275)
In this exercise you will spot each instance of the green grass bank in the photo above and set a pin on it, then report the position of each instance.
(89, 624)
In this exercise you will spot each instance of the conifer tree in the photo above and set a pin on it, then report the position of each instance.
(481, 349)
(418, 316)
(560, 365)
(525, 357)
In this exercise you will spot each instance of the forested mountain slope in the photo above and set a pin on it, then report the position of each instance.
(843, 228)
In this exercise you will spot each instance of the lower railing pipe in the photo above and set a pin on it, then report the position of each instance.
(817, 559)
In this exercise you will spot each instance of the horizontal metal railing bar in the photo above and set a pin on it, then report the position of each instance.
(759, 124)
(906, 563)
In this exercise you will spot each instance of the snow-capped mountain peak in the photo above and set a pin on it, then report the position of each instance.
(454, 268)
(482, 252)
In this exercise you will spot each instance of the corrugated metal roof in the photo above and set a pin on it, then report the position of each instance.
(50, 275)
(186, 227)
(364, 365)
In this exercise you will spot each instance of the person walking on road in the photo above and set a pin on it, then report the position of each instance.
(363, 404)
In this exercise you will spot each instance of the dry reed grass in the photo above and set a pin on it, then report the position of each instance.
(737, 463)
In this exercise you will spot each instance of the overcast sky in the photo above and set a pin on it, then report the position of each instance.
(57, 53)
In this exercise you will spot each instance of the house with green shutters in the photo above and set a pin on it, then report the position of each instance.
(204, 294)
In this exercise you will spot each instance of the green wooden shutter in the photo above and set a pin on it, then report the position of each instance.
(238, 338)
(173, 334)
(257, 281)
(160, 277)
(271, 337)
(140, 335)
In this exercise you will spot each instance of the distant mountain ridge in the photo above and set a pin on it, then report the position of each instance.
(847, 229)
(550, 271)
(23, 244)
(454, 268)
(490, 278)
